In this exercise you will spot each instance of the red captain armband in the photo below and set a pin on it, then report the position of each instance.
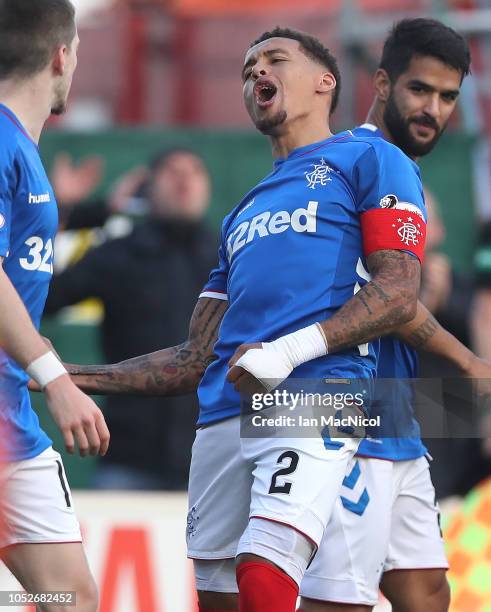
(400, 229)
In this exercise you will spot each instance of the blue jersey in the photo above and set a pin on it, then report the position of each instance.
(396, 360)
(291, 254)
(28, 223)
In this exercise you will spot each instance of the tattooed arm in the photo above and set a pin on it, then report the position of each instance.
(171, 371)
(424, 333)
(382, 305)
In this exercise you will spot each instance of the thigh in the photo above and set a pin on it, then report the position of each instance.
(413, 590)
(49, 567)
(416, 540)
(297, 481)
(348, 565)
(219, 492)
(37, 505)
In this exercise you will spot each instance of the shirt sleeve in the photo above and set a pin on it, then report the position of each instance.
(390, 201)
(6, 196)
(216, 287)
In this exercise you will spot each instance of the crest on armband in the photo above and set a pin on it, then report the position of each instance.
(408, 229)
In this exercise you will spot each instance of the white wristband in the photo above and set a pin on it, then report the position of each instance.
(45, 369)
(301, 346)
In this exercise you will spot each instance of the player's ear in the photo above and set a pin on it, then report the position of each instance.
(59, 60)
(382, 84)
(326, 83)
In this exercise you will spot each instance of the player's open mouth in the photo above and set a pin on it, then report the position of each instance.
(264, 92)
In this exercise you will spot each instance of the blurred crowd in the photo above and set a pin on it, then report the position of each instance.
(147, 264)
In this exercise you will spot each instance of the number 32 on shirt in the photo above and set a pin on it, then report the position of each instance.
(40, 256)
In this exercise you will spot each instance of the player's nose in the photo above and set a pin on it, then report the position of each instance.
(432, 106)
(259, 71)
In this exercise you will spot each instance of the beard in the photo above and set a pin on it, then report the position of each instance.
(398, 128)
(268, 126)
(59, 104)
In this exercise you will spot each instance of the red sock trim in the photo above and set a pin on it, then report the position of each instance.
(243, 567)
(265, 588)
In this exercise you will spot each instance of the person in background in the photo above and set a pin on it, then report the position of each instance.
(148, 282)
(75, 183)
(459, 463)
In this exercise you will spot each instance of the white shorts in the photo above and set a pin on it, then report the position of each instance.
(293, 481)
(37, 505)
(385, 519)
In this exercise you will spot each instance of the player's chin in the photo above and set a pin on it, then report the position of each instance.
(271, 125)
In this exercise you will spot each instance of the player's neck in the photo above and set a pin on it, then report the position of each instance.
(296, 136)
(30, 101)
(376, 117)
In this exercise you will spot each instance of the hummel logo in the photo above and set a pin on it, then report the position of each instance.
(43, 198)
(246, 207)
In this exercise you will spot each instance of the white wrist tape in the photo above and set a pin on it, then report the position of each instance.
(45, 369)
(300, 346)
(275, 361)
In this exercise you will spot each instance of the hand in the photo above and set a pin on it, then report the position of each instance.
(436, 281)
(78, 418)
(126, 187)
(243, 381)
(480, 369)
(72, 183)
(256, 367)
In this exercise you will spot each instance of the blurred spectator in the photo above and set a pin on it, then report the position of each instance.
(149, 282)
(459, 463)
(73, 184)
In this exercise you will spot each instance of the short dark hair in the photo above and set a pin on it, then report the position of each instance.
(30, 31)
(313, 48)
(422, 37)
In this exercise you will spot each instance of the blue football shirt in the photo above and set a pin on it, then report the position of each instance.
(396, 360)
(28, 223)
(292, 254)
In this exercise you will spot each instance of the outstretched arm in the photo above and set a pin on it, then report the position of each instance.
(424, 333)
(171, 371)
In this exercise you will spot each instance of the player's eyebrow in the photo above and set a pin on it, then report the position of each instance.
(268, 53)
(426, 87)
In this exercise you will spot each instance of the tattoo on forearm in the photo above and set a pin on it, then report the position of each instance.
(381, 293)
(365, 303)
(420, 336)
(171, 371)
(379, 307)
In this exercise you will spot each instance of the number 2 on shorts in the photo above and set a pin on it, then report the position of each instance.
(285, 487)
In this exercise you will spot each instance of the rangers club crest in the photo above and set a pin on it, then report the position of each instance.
(193, 518)
(408, 229)
(319, 175)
